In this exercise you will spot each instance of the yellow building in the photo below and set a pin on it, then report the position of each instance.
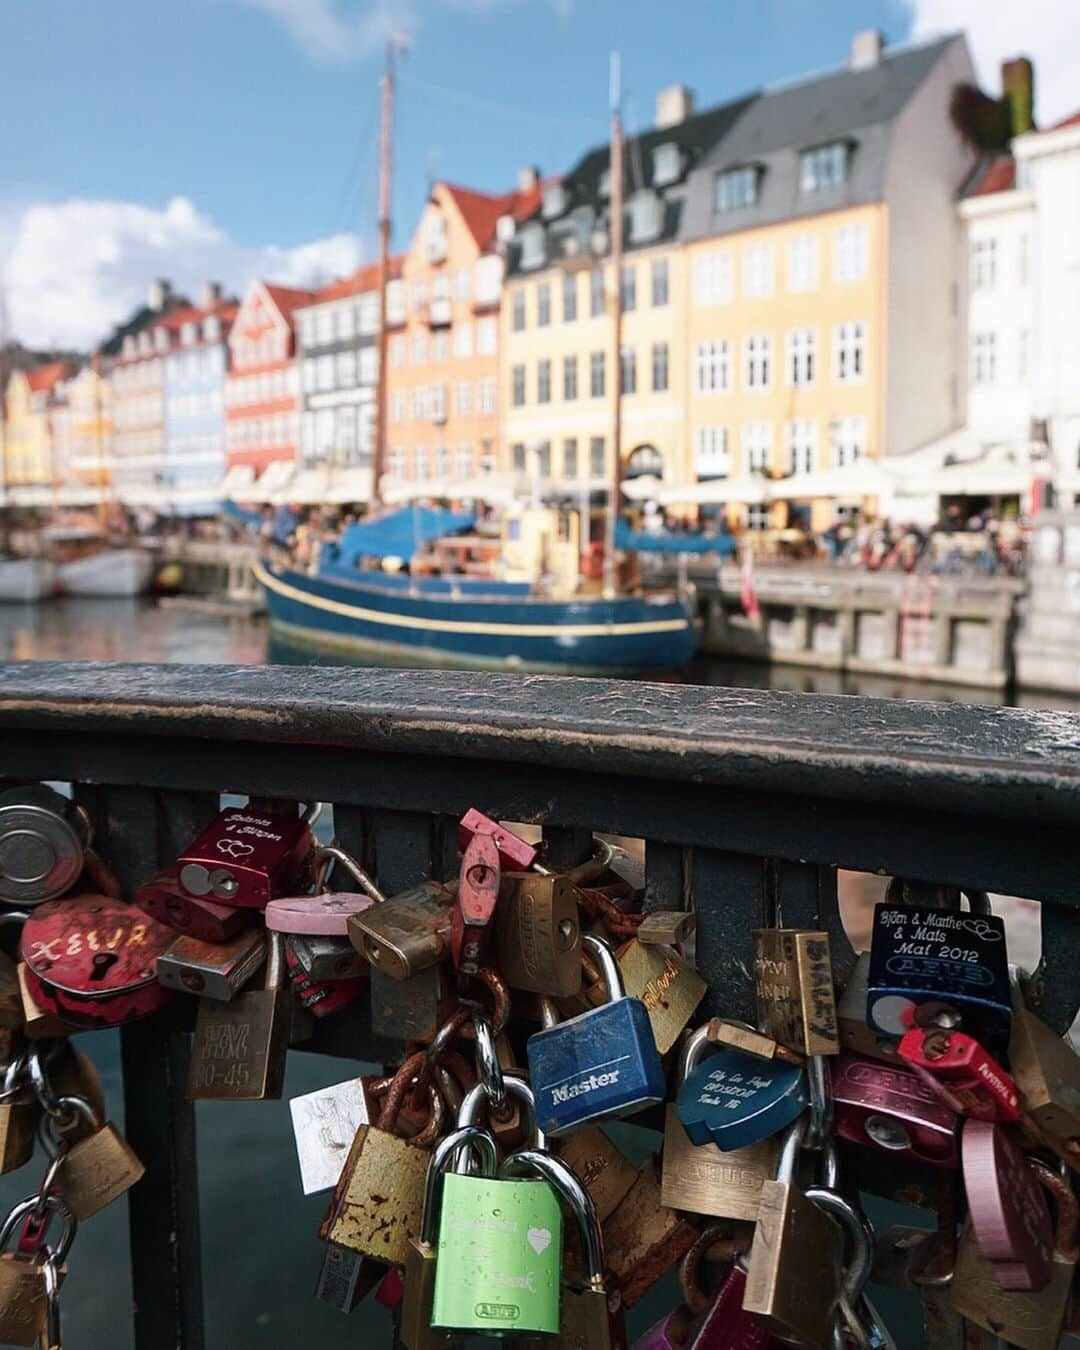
(27, 442)
(88, 462)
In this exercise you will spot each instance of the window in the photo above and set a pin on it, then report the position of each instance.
(596, 374)
(543, 305)
(532, 246)
(645, 216)
(517, 311)
(463, 340)
(485, 394)
(311, 367)
(629, 288)
(757, 272)
(442, 461)
(711, 458)
(757, 360)
(757, 516)
(850, 253)
(659, 272)
(667, 164)
(397, 406)
(463, 398)
(596, 456)
(983, 358)
(517, 454)
(802, 445)
(712, 367)
(569, 298)
(848, 440)
(369, 365)
(543, 381)
(464, 461)
(628, 370)
(462, 287)
(543, 460)
(802, 266)
(596, 292)
(345, 322)
(397, 352)
(437, 402)
(554, 201)
(517, 394)
(659, 367)
(736, 188)
(440, 345)
(824, 167)
(419, 349)
(488, 280)
(849, 350)
(570, 458)
(756, 446)
(713, 279)
(326, 372)
(983, 264)
(801, 357)
(487, 337)
(569, 378)
(346, 369)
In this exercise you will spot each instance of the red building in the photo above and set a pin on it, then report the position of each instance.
(262, 392)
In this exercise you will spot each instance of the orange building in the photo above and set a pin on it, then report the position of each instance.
(443, 334)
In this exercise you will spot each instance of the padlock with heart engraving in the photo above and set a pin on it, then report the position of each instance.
(44, 838)
(793, 988)
(599, 1065)
(891, 1108)
(92, 960)
(1007, 1205)
(247, 856)
(957, 1067)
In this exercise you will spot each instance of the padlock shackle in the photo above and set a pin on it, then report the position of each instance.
(487, 1061)
(72, 1107)
(275, 960)
(68, 1221)
(444, 1155)
(312, 812)
(515, 1086)
(609, 968)
(693, 1052)
(536, 1162)
(791, 1143)
(1068, 1209)
(335, 853)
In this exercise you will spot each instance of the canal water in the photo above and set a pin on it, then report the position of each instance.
(260, 1252)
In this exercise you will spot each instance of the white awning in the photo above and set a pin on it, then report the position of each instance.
(30, 494)
(349, 485)
(864, 478)
(273, 479)
(715, 491)
(236, 483)
(309, 487)
(646, 488)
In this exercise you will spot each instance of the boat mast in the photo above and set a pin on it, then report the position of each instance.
(615, 485)
(386, 167)
(99, 441)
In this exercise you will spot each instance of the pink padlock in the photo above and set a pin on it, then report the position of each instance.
(726, 1326)
(1009, 1213)
(670, 1333)
(318, 915)
(888, 1107)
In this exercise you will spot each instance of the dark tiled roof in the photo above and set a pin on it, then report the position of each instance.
(993, 175)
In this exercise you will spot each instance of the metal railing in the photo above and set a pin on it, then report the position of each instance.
(748, 802)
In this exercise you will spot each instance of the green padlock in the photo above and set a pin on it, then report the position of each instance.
(500, 1253)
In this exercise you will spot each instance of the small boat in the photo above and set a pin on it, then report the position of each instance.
(107, 572)
(24, 581)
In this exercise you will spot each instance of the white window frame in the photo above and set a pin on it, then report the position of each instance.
(802, 445)
(714, 279)
(757, 362)
(849, 352)
(712, 366)
(803, 263)
(757, 446)
(757, 271)
(801, 362)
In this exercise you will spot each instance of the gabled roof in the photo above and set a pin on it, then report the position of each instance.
(481, 211)
(994, 175)
(1072, 121)
(226, 311)
(143, 317)
(365, 278)
(288, 298)
(43, 379)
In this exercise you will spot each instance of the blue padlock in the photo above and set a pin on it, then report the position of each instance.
(599, 1065)
(734, 1098)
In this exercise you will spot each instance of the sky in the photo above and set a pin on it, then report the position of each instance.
(229, 139)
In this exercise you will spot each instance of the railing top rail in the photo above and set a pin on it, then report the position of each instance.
(1010, 763)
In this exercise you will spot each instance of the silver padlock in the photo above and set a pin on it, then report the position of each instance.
(43, 843)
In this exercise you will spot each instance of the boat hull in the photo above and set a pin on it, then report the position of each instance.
(114, 571)
(630, 633)
(26, 580)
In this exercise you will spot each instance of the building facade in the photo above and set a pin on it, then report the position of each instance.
(88, 452)
(28, 447)
(195, 367)
(262, 389)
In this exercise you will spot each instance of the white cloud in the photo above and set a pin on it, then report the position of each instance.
(329, 33)
(1045, 30)
(72, 270)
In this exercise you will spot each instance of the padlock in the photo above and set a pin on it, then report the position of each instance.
(346, 1277)
(742, 1036)
(91, 960)
(246, 857)
(591, 1317)
(95, 1171)
(856, 1320)
(22, 1277)
(538, 933)
(62, 1071)
(217, 970)
(721, 1321)
(891, 1108)
(472, 916)
(417, 1332)
(733, 1098)
(239, 1048)
(601, 1167)
(476, 1101)
(1033, 1321)
(1047, 1072)
(705, 1178)
(643, 1238)
(318, 925)
(320, 998)
(324, 915)
(940, 967)
(407, 933)
(667, 927)
(855, 1032)
(669, 987)
(197, 916)
(11, 1005)
(39, 1023)
(43, 843)
(793, 988)
(412, 1009)
(956, 1066)
(672, 1332)
(515, 855)
(18, 1118)
(1007, 1207)
(599, 1065)
(794, 1270)
(494, 1057)
(324, 1125)
(499, 1254)
(327, 958)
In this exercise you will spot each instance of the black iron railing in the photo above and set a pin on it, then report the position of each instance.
(748, 803)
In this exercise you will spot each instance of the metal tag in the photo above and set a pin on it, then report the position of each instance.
(324, 1124)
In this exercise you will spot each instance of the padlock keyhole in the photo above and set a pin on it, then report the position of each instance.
(101, 965)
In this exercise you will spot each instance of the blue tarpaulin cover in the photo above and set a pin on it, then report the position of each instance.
(240, 514)
(400, 534)
(626, 538)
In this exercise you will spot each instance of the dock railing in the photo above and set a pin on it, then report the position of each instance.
(748, 803)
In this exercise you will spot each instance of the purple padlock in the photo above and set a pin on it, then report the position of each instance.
(670, 1333)
(888, 1107)
(726, 1325)
(1009, 1213)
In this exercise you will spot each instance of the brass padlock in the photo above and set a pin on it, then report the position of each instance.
(604, 1170)
(1046, 1069)
(407, 933)
(670, 988)
(793, 985)
(23, 1301)
(856, 1034)
(239, 1048)
(643, 1237)
(39, 1024)
(667, 927)
(12, 1013)
(97, 1169)
(538, 933)
(18, 1118)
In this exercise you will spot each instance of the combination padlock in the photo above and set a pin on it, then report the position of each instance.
(246, 856)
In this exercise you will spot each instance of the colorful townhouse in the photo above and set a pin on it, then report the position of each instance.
(28, 451)
(262, 389)
(87, 458)
(443, 334)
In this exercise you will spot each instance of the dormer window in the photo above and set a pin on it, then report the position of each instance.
(555, 201)
(144, 344)
(824, 167)
(161, 339)
(505, 227)
(532, 246)
(737, 188)
(645, 217)
(667, 164)
(187, 334)
(435, 244)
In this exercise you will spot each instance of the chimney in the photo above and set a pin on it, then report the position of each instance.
(528, 178)
(866, 49)
(159, 295)
(211, 294)
(1018, 90)
(673, 105)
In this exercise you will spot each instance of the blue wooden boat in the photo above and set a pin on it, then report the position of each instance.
(347, 604)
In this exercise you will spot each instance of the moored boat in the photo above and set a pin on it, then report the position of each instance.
(107, 572)
(26, 580)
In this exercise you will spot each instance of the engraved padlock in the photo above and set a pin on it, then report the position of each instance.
(1007, 1206)
(601, 1167)
(957, 1067)
(23, 1285)
(890, 1108)
(197, 916)
(1047, 1072)
(324, 1125)
(247, 856)
(44, 838)
(666, 983)
(95, 1170)
(793, 989)
(538, 933)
